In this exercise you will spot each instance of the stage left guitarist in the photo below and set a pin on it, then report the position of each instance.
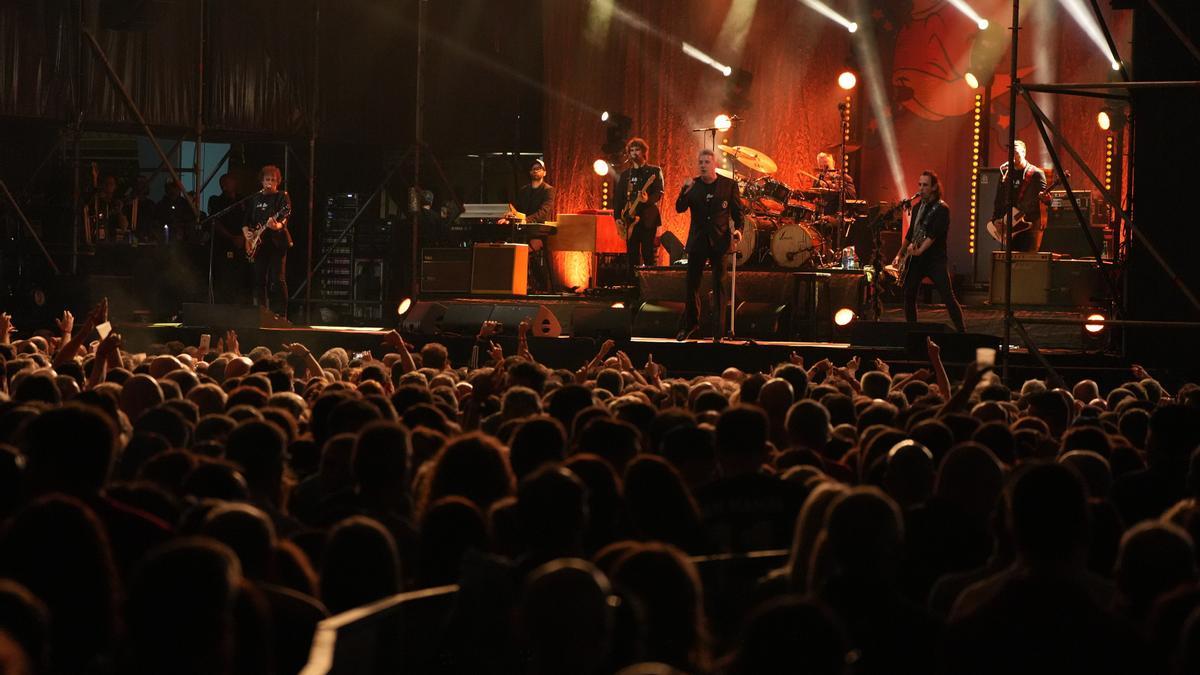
(270, 258)
(923, 254)
(641, 185)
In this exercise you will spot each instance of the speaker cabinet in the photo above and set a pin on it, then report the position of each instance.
(989, 184)
(500, 269)
(424, 318)
(602, 323)
(542, 322)
(763, 320)
(660, 319)
(465, 318)
(446, 270)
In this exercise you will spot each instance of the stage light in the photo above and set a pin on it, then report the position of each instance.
(706, 59)
(600, 167)
(1094, 327)
(618, 305)
(970, 13)
(827, 12)
(844, 316)
(723, 122)
(976, 135)
(1081, 12)
(972, 81)
(604, 116)
(847, 80)
(1103, 120)
(404, 306)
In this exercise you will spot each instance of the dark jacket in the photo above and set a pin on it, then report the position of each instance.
(631, 182)
(1029, 185)
(536, 203)
(714, 207)
(934, 221)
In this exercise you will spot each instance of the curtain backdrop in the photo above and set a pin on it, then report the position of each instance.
(596, 61)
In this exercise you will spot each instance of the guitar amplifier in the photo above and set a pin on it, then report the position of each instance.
(446, 270)
(500, 269)
(1041, 279)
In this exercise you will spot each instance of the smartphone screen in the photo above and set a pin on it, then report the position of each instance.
(205, 340)
(104, 329)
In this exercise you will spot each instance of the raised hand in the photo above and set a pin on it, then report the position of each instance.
(624, 360)
(231, 341)
(297, 349)
(488, 329)
(496, 352)
(108, 345)
(932, 348)
(1139, 372)
(795, 359)
(607, 347)
(853, 364)
(66, 325)
(883, 367)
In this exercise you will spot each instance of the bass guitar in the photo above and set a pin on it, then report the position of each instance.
(629, 216)
(254, 235)
(1020, 221)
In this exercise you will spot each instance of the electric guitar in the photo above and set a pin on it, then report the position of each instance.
(254, 235)
(629, 216)
(906, 258)
(1020, 221)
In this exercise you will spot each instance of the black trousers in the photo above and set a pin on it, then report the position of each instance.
(695, 274)
(640, 247)
(937, 270)
(270, 279)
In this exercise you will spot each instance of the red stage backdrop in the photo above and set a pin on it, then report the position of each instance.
(626, 58)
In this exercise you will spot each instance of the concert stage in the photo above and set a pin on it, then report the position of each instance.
(583, 323)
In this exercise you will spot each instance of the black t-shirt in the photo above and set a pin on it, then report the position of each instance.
(537, 203)
(932, 219)
(264, 205)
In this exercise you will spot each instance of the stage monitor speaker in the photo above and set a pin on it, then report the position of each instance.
(465, 318)
(890, 333)
(763, 320)
(423, 318)
(989, 184)
(542, 322)
(954, 346)
(601, 323)
(674, 247)
(229, 316)
(500, 269)
(659, 318)
(446, 270)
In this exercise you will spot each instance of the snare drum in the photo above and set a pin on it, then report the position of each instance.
(772, 195)
(796, 245)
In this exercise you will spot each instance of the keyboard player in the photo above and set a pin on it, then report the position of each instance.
(536, 201)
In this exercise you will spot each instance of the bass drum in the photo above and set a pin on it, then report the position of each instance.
(796, 245)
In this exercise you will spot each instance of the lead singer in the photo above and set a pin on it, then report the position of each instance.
(714, 202)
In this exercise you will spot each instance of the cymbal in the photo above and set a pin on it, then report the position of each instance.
(750, 158)
(724, 172)
(837, 148)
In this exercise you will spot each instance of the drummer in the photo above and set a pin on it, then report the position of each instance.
(829, 178)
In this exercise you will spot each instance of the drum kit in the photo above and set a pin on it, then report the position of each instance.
(784, 227)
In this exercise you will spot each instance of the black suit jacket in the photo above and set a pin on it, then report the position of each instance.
(630, 183)
(712, 214)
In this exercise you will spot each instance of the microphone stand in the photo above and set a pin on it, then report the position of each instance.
(212, 239)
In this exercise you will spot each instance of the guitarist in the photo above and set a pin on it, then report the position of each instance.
(1028, 182)
(631, 187)
(924, 250)
(270, 261)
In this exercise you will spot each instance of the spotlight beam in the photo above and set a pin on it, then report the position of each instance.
(828, 12)
(970, 13)
(706, 59)
(1087, 22)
